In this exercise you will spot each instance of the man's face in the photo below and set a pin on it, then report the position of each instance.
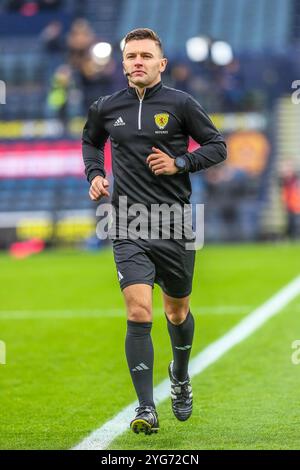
(142, 59)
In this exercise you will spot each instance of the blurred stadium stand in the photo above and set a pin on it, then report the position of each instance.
(51, 194)
(249, 99)
(105, 17)
(248, 25)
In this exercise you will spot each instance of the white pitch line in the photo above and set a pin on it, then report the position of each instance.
(108, 312)
(103, 436)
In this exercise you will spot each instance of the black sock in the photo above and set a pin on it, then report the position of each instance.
(181, 339)
(140, 358)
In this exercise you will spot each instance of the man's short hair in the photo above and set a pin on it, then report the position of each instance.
(143, 33)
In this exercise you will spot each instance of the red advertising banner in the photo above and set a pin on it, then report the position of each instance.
(48, 159)
(44, 159)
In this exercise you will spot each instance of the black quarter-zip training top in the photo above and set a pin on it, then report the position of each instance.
(163, 118)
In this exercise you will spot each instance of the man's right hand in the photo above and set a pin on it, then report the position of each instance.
(98, 188)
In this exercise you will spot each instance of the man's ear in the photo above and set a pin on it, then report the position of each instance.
(163, 64)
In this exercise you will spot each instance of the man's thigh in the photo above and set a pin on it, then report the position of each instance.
(174, 266)
(133, 263)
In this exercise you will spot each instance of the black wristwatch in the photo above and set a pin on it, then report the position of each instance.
(180, 163)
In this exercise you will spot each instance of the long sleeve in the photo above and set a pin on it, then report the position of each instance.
(201, 129)
(94, 137)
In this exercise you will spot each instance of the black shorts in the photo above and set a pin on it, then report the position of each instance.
(164, 262)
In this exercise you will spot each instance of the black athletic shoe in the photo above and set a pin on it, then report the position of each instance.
(181, 396)
(146, 420)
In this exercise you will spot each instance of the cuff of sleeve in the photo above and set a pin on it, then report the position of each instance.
(95, 173)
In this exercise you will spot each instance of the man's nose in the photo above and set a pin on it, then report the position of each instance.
(138, 61)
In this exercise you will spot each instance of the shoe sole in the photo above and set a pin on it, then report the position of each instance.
(140, 425)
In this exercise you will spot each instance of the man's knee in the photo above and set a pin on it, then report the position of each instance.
(138, 300)
(139, 312)
(176, 310)
(177, 317)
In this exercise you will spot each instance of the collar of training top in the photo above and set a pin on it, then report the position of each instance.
(148, 91)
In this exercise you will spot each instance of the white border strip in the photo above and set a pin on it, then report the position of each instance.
(103, 436)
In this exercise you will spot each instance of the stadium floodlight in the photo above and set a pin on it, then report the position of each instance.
(122, 44)
(221, 53)
(101, 52)
(197, 48)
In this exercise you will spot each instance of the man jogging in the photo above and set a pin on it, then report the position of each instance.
(149, 126)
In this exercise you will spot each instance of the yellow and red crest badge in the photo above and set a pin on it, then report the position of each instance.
(161, 120)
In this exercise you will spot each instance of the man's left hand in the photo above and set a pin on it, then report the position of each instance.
(160, 163)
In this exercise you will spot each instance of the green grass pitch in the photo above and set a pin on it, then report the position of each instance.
(63, 321)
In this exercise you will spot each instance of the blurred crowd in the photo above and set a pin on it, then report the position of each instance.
(32, 6)
(218, 88)
(80, 79)
(73, 77)
(290, 193)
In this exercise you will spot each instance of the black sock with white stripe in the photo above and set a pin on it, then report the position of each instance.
(140, 358)
(182, 339)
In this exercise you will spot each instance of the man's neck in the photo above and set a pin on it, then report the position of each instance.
(142, 90)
